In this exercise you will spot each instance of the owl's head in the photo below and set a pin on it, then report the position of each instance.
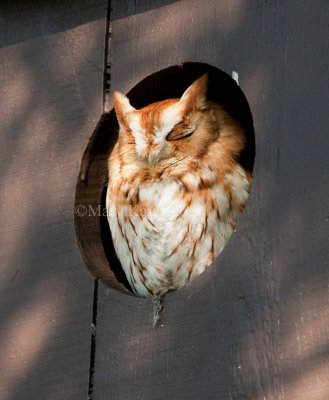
(169, 128)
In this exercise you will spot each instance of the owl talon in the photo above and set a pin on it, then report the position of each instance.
(157, 308)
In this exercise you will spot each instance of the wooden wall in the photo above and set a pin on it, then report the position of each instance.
(51, 82)
(255, 325)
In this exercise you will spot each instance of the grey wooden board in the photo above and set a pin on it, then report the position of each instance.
(255, 325)
(51, 73)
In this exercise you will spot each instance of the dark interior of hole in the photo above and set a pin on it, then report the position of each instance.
(109, 248)
(165, 84)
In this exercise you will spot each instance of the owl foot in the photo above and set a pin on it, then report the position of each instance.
(157, 308)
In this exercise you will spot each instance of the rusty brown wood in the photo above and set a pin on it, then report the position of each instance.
(255, 325)
(51, 83)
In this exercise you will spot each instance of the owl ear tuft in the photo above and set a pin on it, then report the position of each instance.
(195, 96)
(122, 107)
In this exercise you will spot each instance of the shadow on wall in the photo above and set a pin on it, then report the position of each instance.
(41, 18)
(50, 95)
(47, 117)
(278, 276)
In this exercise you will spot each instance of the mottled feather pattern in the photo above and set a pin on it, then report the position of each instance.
(175, 188)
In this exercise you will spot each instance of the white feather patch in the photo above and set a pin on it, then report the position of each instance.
(170, 117)
(134, 122)
(235, 76)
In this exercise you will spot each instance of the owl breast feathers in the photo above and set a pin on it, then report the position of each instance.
(175, 188)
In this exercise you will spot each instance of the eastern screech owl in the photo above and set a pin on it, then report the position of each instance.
(175, 188)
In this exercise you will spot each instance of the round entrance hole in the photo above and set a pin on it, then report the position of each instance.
(92, 229)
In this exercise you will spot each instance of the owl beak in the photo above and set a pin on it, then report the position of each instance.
(151, 160)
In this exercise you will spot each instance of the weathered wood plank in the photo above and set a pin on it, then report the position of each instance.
(255, 325)
(51, 72)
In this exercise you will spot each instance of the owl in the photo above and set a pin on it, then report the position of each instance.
(175, 188)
